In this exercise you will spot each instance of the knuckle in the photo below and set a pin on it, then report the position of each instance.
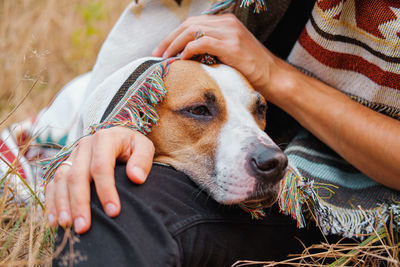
(96, 167)
(100, 134)
(135, 133)
(71, 178)
(236, 36)
(85, 140)
(50, 186)
(80, 202)
(190, 46)
(207, 41)
(59, 175)
(192, 29)
(231, 18)
(234, 48)
(188, 21)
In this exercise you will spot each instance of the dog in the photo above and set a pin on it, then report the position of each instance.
(211, 127)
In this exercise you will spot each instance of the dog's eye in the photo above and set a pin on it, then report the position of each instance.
(200, 111)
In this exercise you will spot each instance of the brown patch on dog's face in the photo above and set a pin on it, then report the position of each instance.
(191, 117)
(211, 128)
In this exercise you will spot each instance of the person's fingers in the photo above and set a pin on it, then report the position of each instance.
(105, 149)
(212, 24)
(190, 34)
(204, 45)
(179, 43)
(164, 44)
(79, 186)
(140, 161)
(196, 23)
(62, 198)
(50, 204)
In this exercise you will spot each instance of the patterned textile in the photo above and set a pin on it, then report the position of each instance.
(348, 46)
(354, 46)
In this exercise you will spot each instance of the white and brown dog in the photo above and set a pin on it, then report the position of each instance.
(212, 128)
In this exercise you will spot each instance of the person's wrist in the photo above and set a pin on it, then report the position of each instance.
(278, 82)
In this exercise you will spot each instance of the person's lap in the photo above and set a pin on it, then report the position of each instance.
(169, 221)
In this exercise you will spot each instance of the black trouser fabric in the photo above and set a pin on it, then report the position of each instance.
(169, 221)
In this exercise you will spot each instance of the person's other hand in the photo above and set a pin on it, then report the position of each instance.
(68, 194)
(226, 38)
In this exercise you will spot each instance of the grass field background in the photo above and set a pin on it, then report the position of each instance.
(43, 45)
(47, 43)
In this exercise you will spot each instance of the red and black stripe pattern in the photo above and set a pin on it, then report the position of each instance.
(354, 45)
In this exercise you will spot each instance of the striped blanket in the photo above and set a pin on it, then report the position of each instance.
(353, 46)
(344, 200)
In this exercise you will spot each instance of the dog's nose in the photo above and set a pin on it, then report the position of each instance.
(268, 163)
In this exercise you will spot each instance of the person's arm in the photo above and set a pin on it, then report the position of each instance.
(368, 140)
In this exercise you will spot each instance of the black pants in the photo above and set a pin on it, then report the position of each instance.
(169, 221)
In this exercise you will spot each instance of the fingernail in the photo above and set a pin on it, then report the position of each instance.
(139, 174)
(51, 219)
(79, 224)
(165, 55)
(63, 218)
(111, 209)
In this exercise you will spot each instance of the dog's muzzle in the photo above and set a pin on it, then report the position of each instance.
(267, 163)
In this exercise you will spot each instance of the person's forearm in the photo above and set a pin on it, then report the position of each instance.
(367, 139)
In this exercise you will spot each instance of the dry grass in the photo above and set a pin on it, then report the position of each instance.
(48, 41)
(380, 249)
(43, 45)
(25, 239)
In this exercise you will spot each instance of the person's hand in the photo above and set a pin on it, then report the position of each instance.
(226, 38)
(68, 194)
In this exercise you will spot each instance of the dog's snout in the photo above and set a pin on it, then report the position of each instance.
(268, 163)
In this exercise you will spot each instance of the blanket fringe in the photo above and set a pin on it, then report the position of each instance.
(139, 111)
(221, 7)
(227, 6)
(50, 165)
(136, 113)
(349, 223)
(295, 191)
(256, 210)
(259, 5)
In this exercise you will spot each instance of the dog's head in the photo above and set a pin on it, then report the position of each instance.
(211, 127)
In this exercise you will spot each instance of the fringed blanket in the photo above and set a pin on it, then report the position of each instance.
(343, 200)
(354, 47)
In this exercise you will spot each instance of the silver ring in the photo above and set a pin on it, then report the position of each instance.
(68, 163)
